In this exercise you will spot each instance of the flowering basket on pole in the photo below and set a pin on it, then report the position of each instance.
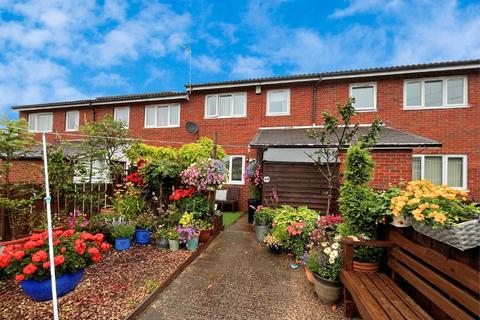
(205, 175)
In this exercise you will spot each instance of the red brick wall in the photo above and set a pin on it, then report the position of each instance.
(457, 129)
(26, 171)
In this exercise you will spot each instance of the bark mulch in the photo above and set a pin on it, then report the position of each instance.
(109, 289)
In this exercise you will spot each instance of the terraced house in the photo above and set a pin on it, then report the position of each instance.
(431, 114)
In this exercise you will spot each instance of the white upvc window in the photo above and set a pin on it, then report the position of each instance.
(122, 114)
(450, 170)
(365, 95)
(432, 93)
(278, 102)
(236, 169)
(40, 122)
(228, 105)
(72, 120)
(162, 116)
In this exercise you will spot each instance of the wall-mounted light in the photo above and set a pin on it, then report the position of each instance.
(258, 89)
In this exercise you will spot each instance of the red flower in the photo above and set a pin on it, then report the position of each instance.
(8, 249)
(19, 255)
(35, 237)
(5, 260)
(39, 256)
(19, 277)
(56, 242)
(86, 236)
(46, 265)
(68, 233)
(29, 269)
(30, 245)
(98, 237)
(80, 246)
(105, 246)
(93, 251)
(57, 260)
(96, 257)
(63, 249)
(40, 242)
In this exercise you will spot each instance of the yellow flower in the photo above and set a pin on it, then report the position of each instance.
(440, 218)
(434, 206)
(413, 201)
(417, 214)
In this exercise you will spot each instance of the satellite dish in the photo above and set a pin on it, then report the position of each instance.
(191, 127)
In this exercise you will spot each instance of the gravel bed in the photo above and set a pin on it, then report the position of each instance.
(109, 289)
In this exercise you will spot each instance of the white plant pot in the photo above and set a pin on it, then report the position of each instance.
(401, 221)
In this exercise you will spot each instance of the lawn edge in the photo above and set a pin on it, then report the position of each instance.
(148, 300)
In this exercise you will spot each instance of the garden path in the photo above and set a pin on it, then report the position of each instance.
(237, 278)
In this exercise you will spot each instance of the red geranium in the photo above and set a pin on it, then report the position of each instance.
(182, 193)
(68, 233)
(58, 260)
(105, 246)
(135, 178)
(19, 254)
(19, 277)
(39, 256)
(5, 260)
(29, 269)
(30, 245)
(296, 228)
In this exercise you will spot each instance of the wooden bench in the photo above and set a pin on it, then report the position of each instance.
(448, 284)
(231, 199)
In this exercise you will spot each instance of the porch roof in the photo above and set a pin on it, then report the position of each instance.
(296, 137)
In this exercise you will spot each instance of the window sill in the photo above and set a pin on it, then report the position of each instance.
(366, 110)
(33, 131)
(238, 183)
(434, 108)
(75, 130)
(227, 117)
(278, 114)
(169, 127)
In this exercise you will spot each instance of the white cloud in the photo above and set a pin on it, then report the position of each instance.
(250, 67)
(205, 63)
(105, 80)
(366, 6)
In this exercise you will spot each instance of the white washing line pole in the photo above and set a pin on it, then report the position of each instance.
(50, 231)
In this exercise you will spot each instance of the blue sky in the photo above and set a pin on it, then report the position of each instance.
(66, 50)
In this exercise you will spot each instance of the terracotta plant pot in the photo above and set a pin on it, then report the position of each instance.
(327, 291)
(205, 235)
(309, 275)
(365, 266)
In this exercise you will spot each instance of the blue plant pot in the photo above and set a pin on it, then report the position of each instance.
(143, 236)
(192, 244)
(122, 243)
(41, 290)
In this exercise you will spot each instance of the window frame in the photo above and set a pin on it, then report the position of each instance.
(115, 110)
(364, 84)
(36, 114)
(156, 106)
(78, 120)
(445, 104)
(230, 159)
(445, 158)
(275, 114)
(217, 99)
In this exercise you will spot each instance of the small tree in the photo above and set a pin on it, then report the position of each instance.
(335, 136)
(15, 140)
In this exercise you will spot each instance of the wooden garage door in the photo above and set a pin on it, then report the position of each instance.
(298, 184)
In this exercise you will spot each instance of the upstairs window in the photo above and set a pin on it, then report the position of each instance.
(164, 116)
(365, 95)
(226, 105)
(435, 93)
(235, 167)
(450, 170)
(72, 121)
(40, 122)
(122, 114)
(278, 102)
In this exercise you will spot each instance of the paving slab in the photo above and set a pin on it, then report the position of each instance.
(238, 278)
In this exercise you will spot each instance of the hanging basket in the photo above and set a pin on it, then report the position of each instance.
(463, 236)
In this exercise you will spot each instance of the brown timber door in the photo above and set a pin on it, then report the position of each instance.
(297, 184)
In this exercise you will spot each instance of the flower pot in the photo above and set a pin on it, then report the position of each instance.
(327, 291)
(261, 232)
(365, 266)
(41, 290)
(275, 249)
(173, 244)
(192, 244)
(252, 206)
(205, 235)
(401, 221)
(162, 243)
(309, 274)
(143, 236)
(462, 236)
(122, 243)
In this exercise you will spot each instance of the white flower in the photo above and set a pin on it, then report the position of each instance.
(331, 260)
(327, 250)
(324, 244)
(334, 254)
(335, 246)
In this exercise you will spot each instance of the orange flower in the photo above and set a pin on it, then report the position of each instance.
(29, 269)
(58, 260)
(39, 256)
(5, 260)
(19, 277)
(19, 255)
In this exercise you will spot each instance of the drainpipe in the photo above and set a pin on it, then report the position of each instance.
(314, 101)
(93, 111)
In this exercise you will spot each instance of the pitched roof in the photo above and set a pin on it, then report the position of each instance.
(313, 76)
(297, 137)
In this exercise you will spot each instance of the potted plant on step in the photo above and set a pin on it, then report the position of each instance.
(122, 231)
(263, 222)
(161, 238)
(205, 228)
(173, 239)
(144, 225)
(30, 264)
(189, 237)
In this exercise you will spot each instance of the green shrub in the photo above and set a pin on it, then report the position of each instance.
(264, 216)
(145, 221)
(123, 230)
